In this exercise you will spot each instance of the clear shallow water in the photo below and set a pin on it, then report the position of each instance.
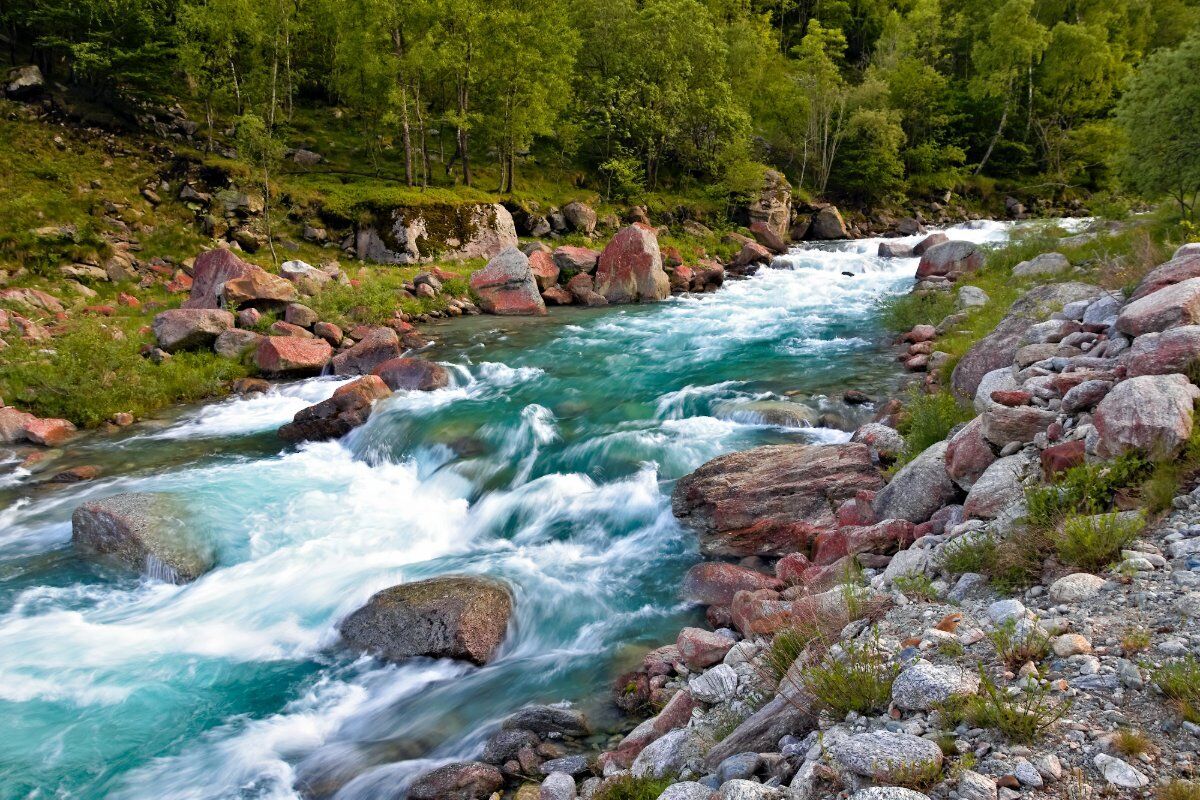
(549, 462)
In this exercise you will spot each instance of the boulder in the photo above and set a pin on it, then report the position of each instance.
(300, 315)
(894, 250)
(827, 224)
(548, 721)
(919, 489)
(630, 268)
(1169, 307)
(922, 686)
(236, 343)
(12, 424)
(971, 297)
(885, 756)
(581, 288)
(24, 81)
(190, 328)
(580, 217)
(557, 786)
(1003, 425)
(771, 500)
(408, 235)
(929, 241)
(464, 780)
(1000, 487)
(507, 286)
(886, 443)
(767, 237)
(574, 260)
(951, 260)
(1184, 266)
(1085, 396)
(291, 355)
(773, 205)
(413, 374)
(714, 583)
(1043, 264)
(1173, 350)
(349, 407)
(380, 345)
(1151, 414)
(700, 648)
(751, 253)
(672, 754)
(454, 616)
(306, 277)
(49, 432)
(146, 531)
(222, 280)
(1058, 458)
(999, 348)
(545, 271)
(557, 296)
(968, 454)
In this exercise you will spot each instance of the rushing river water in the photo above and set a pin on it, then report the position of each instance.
(549, 462)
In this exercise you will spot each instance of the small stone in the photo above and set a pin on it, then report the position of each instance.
(1076, 588)
(1119, 773)
(1071, 644)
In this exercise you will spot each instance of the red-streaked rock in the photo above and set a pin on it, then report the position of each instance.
(573, 259)
(771, 500)
(12, 424)
(329, 332)
(630, 268)
(1173, 350)
(929, 241)
(968, 454)
(1170, 307)
(1005, 424)
(582, 289)
(857, 510)
(700, 648)
(545, 271)
(281, 328)
(1013, 397)
(349, 407)
(1061, 457)
(767, 237)
(50, 432)
(751, 253)
(222, 280)
(1183, 267)
(408, 374)
(507, 286)
(882, 537)
(714, 583)
(291, 355)
(1151, 414)
(951, 259)
(376, 345)
(557, 296)
(920, 333)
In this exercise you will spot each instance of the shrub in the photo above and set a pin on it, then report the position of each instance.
(1135, 639)
(1016, 647)
(1084, 489)
(785, 648)
(928, 419)
(1179, 680)
(94, 371)
(627, 787)
(968, 553)
(917, 587)
(1095, 541)
(1021, 718)
(903, 312)
(859, 678)
(1178, 790)
(1131, 743)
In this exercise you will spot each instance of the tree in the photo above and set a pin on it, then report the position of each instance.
(1160, 116)
(257, 144)
(868, 166)
(826, 92)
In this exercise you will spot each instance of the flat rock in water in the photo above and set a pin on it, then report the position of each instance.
(456, 616)
(145, 531)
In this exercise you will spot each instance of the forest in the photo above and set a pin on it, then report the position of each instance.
(861, 100)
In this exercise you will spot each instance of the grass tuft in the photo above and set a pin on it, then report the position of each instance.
(1094, 542)
(858, 678)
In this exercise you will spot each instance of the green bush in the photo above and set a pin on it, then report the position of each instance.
(1016, 648)
(859, 678)
(94, 371)
(1095, 541)
(627, 787)
(1179, 680)
(968, 554)
(903, 312)
(1084, 489)
(1022, 718)
(928, 419)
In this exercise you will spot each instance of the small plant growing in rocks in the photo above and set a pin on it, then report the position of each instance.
(1135, 639)
(1017, 645)
(968, 554)
(1093, 542)
(1179, 680)
(1179, 790)
(1021, 718)
(857, 676)
(627, 787)
(916, 587)
(1131, 743)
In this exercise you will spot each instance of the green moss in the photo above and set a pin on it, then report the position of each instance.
(627, 787)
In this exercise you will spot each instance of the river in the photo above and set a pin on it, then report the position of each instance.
(549, 462)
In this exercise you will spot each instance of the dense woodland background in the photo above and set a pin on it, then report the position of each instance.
(862, 100)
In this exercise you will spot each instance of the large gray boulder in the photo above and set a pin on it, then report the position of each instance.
(885, 756)
(827, 225)
(1169, 307)
(951, 260)
(1000, 487)
(919, 489)
(463, 780)
(1151, 414)
(678, 753)
(1043, 264)
(999, 348)
(190, 328)
(548, 721)
(507, 286)
(922, 686)
(146, 531)
(457, 616)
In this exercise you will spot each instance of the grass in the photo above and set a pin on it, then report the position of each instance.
(1084, 489)
(916, 587)
(927, 420)
(1016, 648)
(627, 787)
(969, 553)
(377, 296)
(1131, 743)
(786, 647)
(1179, 680)
(903, 312)
(1135, 639)
(1009, 562)
(1093, 542)
(859, 678)
(94, 371)
(1178, 790)
(1022, 718)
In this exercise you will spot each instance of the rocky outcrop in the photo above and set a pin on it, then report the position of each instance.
(413, 374)
(145, 531)
(445, 233)
(714, 583)
(190, 328)
(1151, 414)
(919, 489)
(507, 286)
(1184, 266)
(222, 280)
(773, 206)
(771, 500)
(1172, 306)
(349, 407)
(458, 616)
(630, 268)
(462, 780)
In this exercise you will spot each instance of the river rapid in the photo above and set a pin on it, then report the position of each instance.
(549, 462)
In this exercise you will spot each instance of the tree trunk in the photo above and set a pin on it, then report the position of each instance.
(406, 135)
(995, 138)
(463, 139)
(267, 213)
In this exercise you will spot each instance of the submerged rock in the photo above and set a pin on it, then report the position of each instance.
(456, 616)
(349, 407)
(145, 531)
(408, 374)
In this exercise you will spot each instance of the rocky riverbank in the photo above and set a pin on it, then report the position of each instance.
(1010, 614)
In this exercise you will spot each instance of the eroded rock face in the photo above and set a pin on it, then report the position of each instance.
(714, 583)
(461, 617)
(445, 233)
(143, 530)
(507, 285)
(919, 489)
(1151, 414)
(630, 268)
(773, 206)
(222, 280)
(190, 328)
(771, 500)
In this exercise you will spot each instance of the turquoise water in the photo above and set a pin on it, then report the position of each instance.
(549, 462)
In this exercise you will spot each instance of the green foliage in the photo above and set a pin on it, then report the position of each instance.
(903, 312)
(627, 787)
(928, 419)
(869, 167)
(1017, 645)
(1084, 489)
(1179, 680)
(1095, 541)
(1178, 790)
(1023, 718)
(916, 587)
(1160, 117)
(786, 647)
(968, 554)
(857, 676)
(94, 371)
